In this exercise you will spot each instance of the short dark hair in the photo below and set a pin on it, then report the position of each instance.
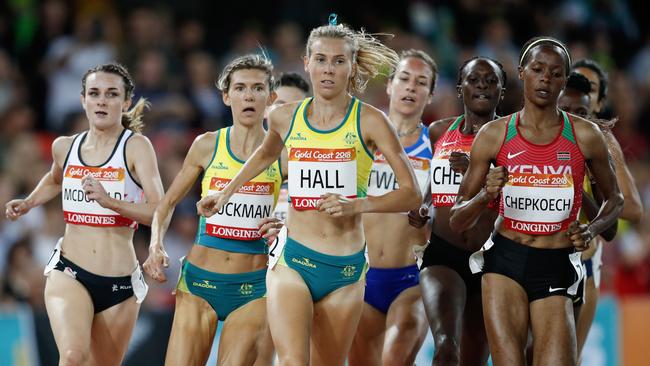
(504, 76)
(595, 67)
(578, 82)
(292, 79)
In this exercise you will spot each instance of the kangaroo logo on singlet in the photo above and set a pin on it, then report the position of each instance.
(349, 270)
(271, 171)
(204, 284)
(298, 137)
(304, 262)
(246, 289)
(350, 138)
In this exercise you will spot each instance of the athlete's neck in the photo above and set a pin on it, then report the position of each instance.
(405, 125)
(244, 140)
(103, 137)
(328, 113)
(472, 121)
(539, 118)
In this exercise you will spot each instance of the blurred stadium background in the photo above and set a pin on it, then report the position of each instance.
(175, 49)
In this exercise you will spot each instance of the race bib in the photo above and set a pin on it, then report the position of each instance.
(79, 209)
(537, 203)
(316, 171)
(239, 218)
(382, 178)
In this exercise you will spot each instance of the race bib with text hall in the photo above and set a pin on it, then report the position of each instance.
(316, 171)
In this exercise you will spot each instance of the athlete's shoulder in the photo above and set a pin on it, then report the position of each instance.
(437, 128)
(60, 147)
(206, 141)
(283, 113)
(494, 128)
(370, 113)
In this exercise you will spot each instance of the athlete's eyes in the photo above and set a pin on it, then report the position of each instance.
(259, 88)
(320, 59)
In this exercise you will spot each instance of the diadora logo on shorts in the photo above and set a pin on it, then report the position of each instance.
(298, 137)
(349, 270)
(350, 138)
(246, 289)
(204, 284)
(304, 261)
(220, 165)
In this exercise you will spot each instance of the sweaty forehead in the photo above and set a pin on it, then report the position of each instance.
(414, 65)
(548, 54)
(248, 76)
(480, 65)
(104, 80)
(331, 46)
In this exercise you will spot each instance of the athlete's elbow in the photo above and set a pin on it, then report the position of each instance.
(456, 224)
(618, 202)
(632, 211)
(413, 198)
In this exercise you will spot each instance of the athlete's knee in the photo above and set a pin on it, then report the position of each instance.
(293, 359)
(71, 357)
(447, 350)
(398, 358)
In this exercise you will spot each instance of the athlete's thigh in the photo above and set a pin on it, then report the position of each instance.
(70, 311)
(406, 327)
(289, 311)
(554, 341)
(111, 332)
(505, 310)
(443, 295)
(369, 338)
(336, 318)
(473, 345)
(243, 335)
(193, 329)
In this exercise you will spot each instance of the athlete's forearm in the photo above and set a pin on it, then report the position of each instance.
(465, 213)
(46, 189)
(160, 223)
(608, 214)
(142, 213)
(402, 199)
(255, 165)
(590, 208)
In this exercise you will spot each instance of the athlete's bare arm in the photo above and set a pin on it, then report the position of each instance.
(194, 164)
(419, 217)
(594, 148)
(379, 133)
(632, 206)
(480, 184)
(270, 150)
(140, 152)
(48, 187)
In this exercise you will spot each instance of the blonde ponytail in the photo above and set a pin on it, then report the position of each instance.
(370, 56)
(132, 119)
